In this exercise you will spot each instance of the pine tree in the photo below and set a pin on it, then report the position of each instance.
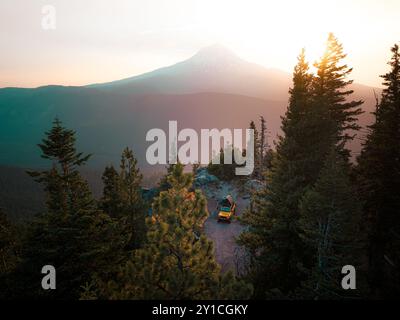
(257, 150)
(379, 180)
(72, 235)
(265, 149)
(178, 261)
(330, 89)
(111, 200)
(263, 142)
(65, 189)
(330, 225)
(164, 184)
(271, 238)
(123, 199)
(318, 119)
(134, 208)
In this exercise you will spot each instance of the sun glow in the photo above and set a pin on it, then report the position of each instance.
(102, 40)
(272, 32)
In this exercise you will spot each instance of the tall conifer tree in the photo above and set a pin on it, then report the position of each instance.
(330, 226)
(318, 119)
(379, 179)
(271, 238)
(331, 98)
(123, 199)
(257, 154)
(111, 200)
(133, 204)
(73, 236)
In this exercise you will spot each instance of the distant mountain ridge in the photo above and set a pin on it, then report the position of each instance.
(214, 88)
(212, 69)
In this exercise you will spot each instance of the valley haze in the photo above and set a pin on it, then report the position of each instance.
(213, 89)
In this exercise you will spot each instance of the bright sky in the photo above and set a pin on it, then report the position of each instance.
(104, 40)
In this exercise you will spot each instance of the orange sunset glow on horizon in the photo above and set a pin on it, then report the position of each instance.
(100, 41)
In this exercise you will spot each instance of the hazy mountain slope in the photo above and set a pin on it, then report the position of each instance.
(106, 123)
(212, 69)
(214, 88)
(216, 69)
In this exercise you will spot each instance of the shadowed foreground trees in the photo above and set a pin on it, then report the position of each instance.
(330, 216)
(101, 250)
(73, 235)
(271, 238)
(122, 199)
(318, 120)
(379, 185)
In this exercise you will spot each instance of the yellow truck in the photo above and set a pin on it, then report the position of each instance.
(226, 209)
